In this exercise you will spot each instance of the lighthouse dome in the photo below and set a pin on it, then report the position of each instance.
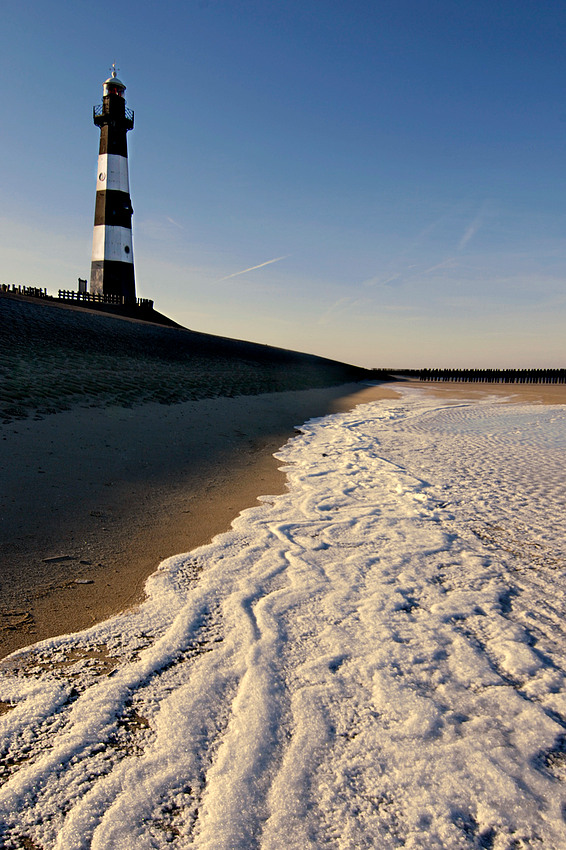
(113, 85)
(113, 80)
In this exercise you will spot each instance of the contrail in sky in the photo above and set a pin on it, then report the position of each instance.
(251, 269)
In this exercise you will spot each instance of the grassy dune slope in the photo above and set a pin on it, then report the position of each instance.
(53, 358)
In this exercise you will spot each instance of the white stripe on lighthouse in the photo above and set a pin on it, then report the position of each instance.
(112, 243)
(112, 173)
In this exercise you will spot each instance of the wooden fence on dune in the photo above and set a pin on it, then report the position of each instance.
(95, 298)
(16, 289)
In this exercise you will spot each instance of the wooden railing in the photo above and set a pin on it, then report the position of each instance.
(96, 298)
(34, 291)
(72, 295)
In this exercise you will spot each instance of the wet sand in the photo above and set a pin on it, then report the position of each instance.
(94, 499)
(519, 393)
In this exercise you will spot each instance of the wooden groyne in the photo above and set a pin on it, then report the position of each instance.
(491, 376)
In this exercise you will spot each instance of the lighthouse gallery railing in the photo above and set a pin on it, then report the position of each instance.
(98, 110)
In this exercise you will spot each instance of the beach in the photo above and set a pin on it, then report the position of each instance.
(512, 393)
(374, 657)
(124, 442)
(249, 605)
(94, 499)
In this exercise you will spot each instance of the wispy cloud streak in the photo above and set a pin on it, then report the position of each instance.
(473, 227)
(469, 233)
(449, 263)
(252, 268)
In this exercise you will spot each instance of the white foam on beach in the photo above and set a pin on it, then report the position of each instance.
(374, 659)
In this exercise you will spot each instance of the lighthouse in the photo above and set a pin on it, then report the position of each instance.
(112, 269)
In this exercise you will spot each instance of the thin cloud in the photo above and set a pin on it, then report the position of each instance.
(445, 264)
(473, 227)
(340, 304)
(379, 281)
(469, 233)
(253, 268)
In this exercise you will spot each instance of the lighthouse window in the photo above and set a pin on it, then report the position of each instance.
(127, 249)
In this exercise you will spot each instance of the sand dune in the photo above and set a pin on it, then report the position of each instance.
(54, 357)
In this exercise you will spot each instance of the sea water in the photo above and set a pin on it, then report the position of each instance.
(375, 658)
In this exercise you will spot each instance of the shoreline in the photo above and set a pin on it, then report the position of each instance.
(95, 499)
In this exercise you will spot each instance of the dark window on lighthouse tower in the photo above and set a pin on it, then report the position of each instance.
(112, 268)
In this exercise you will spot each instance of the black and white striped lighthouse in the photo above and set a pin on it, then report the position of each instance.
(112, 269)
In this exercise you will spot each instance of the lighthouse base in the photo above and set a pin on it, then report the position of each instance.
(109, 277)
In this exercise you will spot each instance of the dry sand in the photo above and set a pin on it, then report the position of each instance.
(93, 499)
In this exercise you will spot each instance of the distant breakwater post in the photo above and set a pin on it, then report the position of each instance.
(491, 376)
(112, 268)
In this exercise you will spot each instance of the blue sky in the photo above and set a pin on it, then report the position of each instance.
(401, 162)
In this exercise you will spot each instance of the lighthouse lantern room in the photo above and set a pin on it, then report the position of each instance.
(112, 269)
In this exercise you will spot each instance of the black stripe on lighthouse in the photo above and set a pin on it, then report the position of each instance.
(113, 207)
(113, 143)
(112, 268)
